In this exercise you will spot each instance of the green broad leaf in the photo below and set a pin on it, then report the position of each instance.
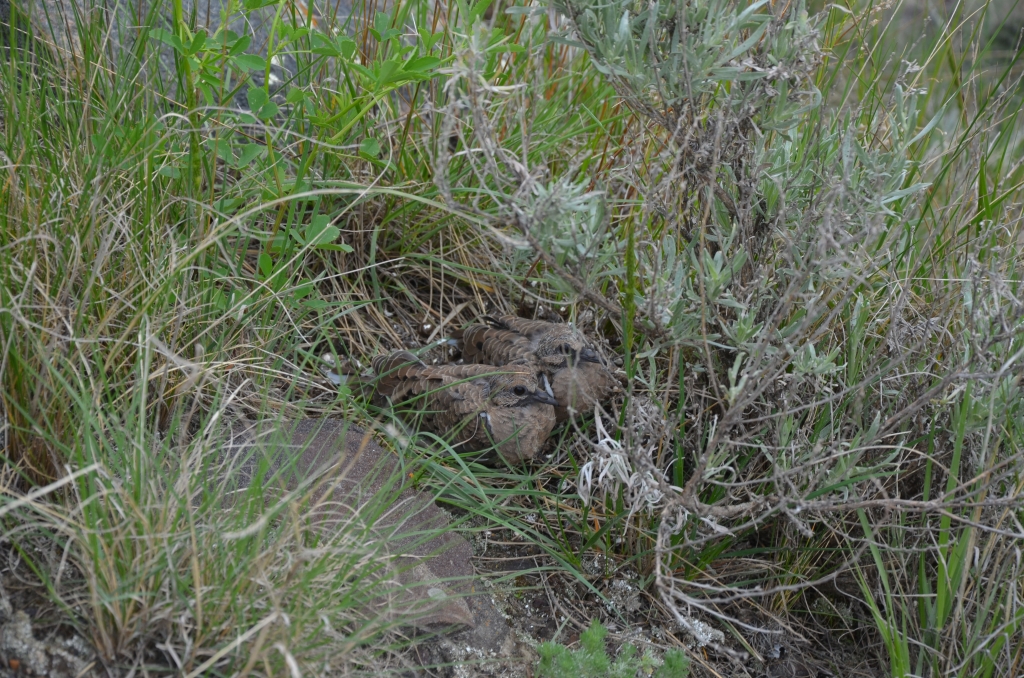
(167, 38)
(479, 8)
(208, 95)
(347, 46)
(292, 33)
(250, 62)
(363, 71)
(316, 304)
(215, 42)
(320, 233)
(222, 147)
(369, 147)
(387, 72)
(747, 44)
(258, 98)
(422, 64)
(276, 246)
(240, 45)
(904, 192)
(197, 43)
(381, 22)
(558, 40)
(929, 127)
(169, 172)
(288, 188)
(729, 73)
(748, 13)
(219, 300)
(428, 39)
(268, 111)
(211, 76)
(324, 45)
(295, 96)
(266, 264)
(220, 40)
(249, 153)
(257, 4)
(228, 205)
(303, 289)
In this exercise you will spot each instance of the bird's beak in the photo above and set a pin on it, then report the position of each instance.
(543, 397)
(547, 384)
(590, 356)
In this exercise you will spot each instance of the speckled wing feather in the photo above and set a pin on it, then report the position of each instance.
(451, 395)
(399, 375)
(455, 408)
(546, 338)
(460, 372)
(402, 375)
(494, 346)
(531, 329)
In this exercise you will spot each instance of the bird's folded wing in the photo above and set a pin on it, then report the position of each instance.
(456, 407)
(467, 372)
(531, 329)
(400, 375)
(495, 346)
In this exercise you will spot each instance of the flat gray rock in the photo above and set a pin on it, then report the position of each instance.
(345, 474)
(24, 654)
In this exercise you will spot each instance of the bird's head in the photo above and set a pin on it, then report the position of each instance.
(564, 346)
(517, 385)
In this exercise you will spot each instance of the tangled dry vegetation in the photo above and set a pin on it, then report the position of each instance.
(802, 248)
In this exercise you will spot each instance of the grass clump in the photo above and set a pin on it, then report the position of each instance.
(798, 233)
(591, 660)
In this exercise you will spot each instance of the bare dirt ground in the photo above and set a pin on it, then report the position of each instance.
(541, 602)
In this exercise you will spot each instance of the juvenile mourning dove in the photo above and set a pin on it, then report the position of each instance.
(475, 406)
(576, 374)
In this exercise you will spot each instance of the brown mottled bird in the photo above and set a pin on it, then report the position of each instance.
(576, 374)
(478, 406)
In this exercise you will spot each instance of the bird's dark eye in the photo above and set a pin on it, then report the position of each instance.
(519, 390)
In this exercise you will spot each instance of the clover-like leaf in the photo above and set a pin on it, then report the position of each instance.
(257, 97)
(240, 45)
(321, 44)
(250, 62)
(198, 41)
(321, 235)
(266, 264)
(369, 147)
(249, 153)
(167, 38)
